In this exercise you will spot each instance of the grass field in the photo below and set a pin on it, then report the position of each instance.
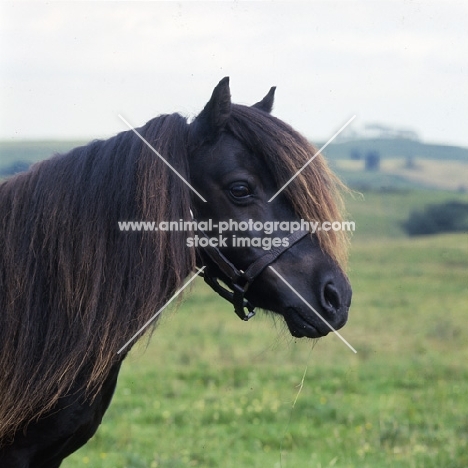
(212, 391)
(444, 175)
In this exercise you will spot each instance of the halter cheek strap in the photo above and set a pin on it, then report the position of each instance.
(238, 280)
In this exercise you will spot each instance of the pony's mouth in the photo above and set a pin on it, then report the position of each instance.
(300, 326)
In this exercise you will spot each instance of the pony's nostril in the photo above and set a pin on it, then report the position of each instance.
(331, 297)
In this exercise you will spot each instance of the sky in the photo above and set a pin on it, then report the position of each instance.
(67, 69)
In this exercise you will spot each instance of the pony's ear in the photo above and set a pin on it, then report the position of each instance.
(266, 104)
(212, 119)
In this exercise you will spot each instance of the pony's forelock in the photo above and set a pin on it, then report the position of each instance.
(316, 194)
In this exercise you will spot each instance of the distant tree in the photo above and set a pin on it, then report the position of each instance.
(451, 216)
(14, 168)
(410, 162)
(372, 161)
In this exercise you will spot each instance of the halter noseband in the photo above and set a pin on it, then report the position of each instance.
(239, 281)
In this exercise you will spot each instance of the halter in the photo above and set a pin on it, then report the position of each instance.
(238, 280)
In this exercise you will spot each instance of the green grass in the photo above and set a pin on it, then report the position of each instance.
(213, 391)
(378, 214)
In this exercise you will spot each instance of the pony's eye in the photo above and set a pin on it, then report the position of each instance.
(240, 190)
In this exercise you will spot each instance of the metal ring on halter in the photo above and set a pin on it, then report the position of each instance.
(237, 280)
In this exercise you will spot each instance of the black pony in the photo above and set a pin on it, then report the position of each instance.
(74, 288)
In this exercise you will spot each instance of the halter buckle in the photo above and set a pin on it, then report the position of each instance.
(235, 297)
(240, 302)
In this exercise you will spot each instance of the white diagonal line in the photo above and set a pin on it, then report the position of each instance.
(312, 158)
(160, 310)
(313, 310)
(160, 157)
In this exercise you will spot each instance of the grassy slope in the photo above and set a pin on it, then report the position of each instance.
(396, 147)
(32, 151)
(213, 391)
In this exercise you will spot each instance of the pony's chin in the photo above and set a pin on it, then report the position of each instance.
(300, 327)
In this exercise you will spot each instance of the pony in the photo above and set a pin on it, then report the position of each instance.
(74, 288)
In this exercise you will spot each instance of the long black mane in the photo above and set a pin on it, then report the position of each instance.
(74, 289)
